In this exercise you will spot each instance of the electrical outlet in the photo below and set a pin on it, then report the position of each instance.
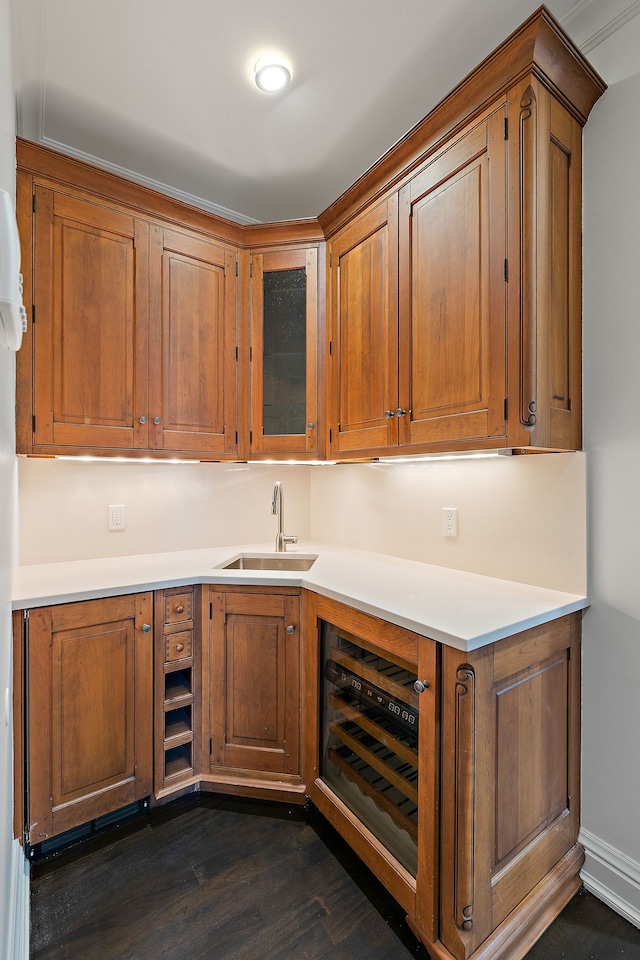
(116, 516)
(450, 521)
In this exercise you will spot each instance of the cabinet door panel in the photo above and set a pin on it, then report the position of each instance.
(90, 366)
(284, 351)
(90, 711)
(364, 291)
(255, 675)
(192, 353)
(548, 365)
(453, 291)
(93, 690)
(255, 682)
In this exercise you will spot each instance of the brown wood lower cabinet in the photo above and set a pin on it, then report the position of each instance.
(178, 628)
(89, 711)
(462, 798)
(454, 775)
(252, 674)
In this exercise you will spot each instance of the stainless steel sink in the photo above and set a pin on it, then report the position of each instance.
(272, 562)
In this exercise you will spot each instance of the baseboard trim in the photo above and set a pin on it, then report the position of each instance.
(17, 942)
(611, 876)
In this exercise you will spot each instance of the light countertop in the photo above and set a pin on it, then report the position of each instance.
(463, 610)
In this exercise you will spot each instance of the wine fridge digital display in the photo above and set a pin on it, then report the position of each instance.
(369, 755)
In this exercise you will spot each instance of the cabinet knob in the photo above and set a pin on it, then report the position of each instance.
(290, 628)
(179, 647)
(180, 608)
(420, 686)
(400, 412)
(156, 420)
(388, 414)
(310, 426)
(142, 420)
(146, 627)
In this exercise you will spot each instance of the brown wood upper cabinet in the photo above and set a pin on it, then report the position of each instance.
(452, 308)
(284, 353)
(364, 331)
(90, 372)
(455, 266)
(133, 346)
(453, 286)
(419, 304)
(193, 344)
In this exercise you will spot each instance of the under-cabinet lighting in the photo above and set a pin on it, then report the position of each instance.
(90, 459)
(427, 457)
(305, 463)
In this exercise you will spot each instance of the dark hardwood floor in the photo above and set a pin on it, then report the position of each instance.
(225, 878)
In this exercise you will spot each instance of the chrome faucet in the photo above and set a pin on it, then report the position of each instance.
(277, 509)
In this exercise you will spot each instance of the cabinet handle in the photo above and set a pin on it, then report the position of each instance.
(156, 420)
(400, 412)
(142, 420)
(146, 627)
(420, 686)
(179, 608)
(388, 414)
(179, 647)
(290, 628)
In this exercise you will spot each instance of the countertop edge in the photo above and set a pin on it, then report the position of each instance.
(398, 606)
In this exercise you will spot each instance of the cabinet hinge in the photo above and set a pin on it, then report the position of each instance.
(236, 354)
(236, 437)
(33, 313)
(236, 266)
(506, 128)
(250, 354)
(33, 423)
(506, 270)
(211, 610)
(250, 436)
(33, 203)
(250, 268)
(330, 348)
(506, 408)
(330, 260)
(330, 436)
(210, 745)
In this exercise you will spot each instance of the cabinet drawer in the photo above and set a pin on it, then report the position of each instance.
(178, 607)
(178, 646)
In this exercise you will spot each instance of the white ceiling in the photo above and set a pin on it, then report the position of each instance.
(162, 92)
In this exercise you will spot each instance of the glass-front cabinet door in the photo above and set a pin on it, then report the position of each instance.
(284, 350)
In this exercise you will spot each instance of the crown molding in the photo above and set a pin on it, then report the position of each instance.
(149, 182)
(596, 11)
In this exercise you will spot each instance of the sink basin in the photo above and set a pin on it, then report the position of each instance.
(270, 562)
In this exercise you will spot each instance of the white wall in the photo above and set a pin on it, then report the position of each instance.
(63, 506)
(522, 518)
(611, 703)
(519, 518)
(14, 889)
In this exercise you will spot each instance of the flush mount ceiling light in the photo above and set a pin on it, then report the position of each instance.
(271, 75)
